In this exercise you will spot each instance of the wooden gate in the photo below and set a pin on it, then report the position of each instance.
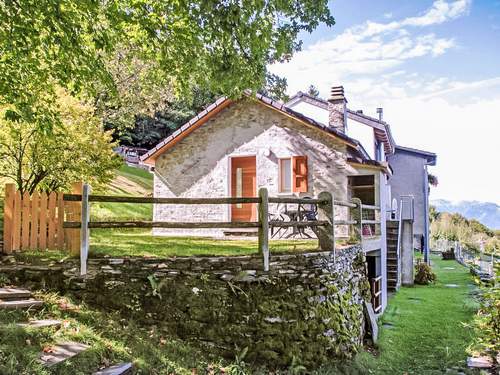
(36, 222)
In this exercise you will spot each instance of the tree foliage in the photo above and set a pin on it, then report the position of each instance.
(77, 150)
(222, 46)
(313, 91)
(148, 130)
(469, 232)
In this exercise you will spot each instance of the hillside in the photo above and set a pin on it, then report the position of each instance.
(487, 213)
(128, 181)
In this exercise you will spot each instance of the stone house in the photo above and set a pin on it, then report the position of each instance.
(235, 147)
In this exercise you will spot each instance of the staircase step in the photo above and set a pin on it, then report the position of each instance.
(14, 293)
(121, 369)
(20, 304)
(41, 323)
(61, 352)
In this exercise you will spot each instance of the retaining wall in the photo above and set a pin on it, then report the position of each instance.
(308, 306)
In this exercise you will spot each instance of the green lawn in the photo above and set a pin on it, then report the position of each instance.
(111, 338)
(423, 330)
(136, 242)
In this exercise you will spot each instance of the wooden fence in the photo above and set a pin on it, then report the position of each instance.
(61, 220)
(36, 221)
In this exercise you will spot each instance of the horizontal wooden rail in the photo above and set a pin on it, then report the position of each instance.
(369, 207)
(295, 200)
(370, 221)
(345, 204)
(298, 224)
(125, 199)
(222, 200)
(345, 222)
(162, 224)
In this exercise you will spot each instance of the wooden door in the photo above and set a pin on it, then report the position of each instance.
(243, 184)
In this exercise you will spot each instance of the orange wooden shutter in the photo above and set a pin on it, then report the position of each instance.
(299, 178)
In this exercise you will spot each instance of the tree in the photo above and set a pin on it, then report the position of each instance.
(76, 150)
(313, 91)
(149, 130)
(222, 46)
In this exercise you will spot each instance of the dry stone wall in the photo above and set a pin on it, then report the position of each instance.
(308, 306)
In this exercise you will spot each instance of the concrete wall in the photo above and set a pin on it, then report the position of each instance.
(409, 179)
(198, 166)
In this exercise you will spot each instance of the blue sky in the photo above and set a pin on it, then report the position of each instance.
(435, 68)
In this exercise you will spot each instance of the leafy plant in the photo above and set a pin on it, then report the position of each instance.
(4, 280)
(155, 286)
(487, 321)
(239, 367)
(295, 367)
(424, 274)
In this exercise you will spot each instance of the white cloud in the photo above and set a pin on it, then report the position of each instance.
(458, 120)
(370, 48)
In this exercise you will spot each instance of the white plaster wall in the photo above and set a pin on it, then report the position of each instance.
(311, 111)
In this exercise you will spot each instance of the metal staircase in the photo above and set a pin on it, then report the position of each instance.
(392, 255)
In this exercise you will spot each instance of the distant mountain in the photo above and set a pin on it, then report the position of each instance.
(487, 213)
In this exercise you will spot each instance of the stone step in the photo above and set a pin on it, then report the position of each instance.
(41, 323)
(13, 293)
(121, 369)
(21, 304)
(61, 352)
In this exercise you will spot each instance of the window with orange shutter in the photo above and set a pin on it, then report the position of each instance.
(299, 174)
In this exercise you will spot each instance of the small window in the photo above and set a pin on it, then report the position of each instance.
(285, 175)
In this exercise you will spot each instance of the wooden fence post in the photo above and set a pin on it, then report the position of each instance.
(326, 233)
(264, 226)
(357, 215)
(84, 230)
(8, 217)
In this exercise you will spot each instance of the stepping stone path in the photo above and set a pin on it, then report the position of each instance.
(14, 298)
(121, 369)
(61, 352)
(43, 323)
(451, 285)
(448, 268)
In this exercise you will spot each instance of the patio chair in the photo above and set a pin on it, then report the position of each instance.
(308, 212)
(277, 217)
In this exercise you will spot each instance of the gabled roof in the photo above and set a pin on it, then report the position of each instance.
(221, 103)
(381, 129)
(314, 100)
(430, 157)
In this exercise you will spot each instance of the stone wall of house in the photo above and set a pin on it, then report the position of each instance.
(198, 166)
(308, 306)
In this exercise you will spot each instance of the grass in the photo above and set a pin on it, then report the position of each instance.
(428, 335)
(424, 328)
(128, 181)
(112, 340)
(141, 242)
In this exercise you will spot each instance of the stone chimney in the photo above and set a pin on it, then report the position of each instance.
(337, 116)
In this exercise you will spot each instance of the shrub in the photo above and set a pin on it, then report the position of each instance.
(487, 321)
(424, 274)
